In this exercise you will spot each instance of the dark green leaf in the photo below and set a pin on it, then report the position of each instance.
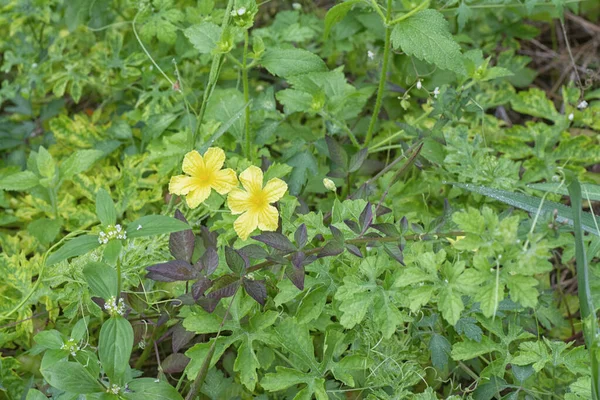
(71, 377)
(114, 348)
(102, 279)
(105, 208)
(292, 61)
(152, 225)
(19, 181)
(336, 14)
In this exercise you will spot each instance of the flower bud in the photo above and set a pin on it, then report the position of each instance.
(329, 184)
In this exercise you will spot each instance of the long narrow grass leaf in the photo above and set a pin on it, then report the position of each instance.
(586, 304)
(590, 191)
(532, 204)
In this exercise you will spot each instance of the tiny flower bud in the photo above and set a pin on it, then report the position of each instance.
(329, 184)
(571, 117)
(419, 84)
(583, 105)
(370, 54)
(241, 11)
(297, 6)
(436, 91)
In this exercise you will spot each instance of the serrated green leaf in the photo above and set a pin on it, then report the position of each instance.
(425, 35)
(439, 347)
(292, 61)
(78, 162)
(204, 36)
(450, 305)
(336, 14)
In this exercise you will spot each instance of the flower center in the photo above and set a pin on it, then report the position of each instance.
(258, 200)
(206, 178)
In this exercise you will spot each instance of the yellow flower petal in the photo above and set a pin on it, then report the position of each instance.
(181, 184)
(268, 219)
(275, 189)
(252, 179)
(245, 224)
(224, 180)
(193, 164)
(197, 196)
(238, 201)
(214, 158)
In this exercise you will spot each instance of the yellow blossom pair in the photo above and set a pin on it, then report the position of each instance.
(254, 202)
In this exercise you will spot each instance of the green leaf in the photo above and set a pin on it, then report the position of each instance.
(246, 364)
(71, 377)
(74, 247)
(470, 349)
(112, 250)
(303, 163)
(283, 379)
(102, 279)
(45, 163)
(20, 181)
(439, 347)
(150, 389)
(296, 339)
(50, 339)
(105, 208)
(292, 61)
(532, 204)
(336, 14)
(204, 36)
(114, 348)
(78, 162)
(450, 305)
(34, 394)
(152, 225)
(523, 290)
(44, 229)
(425, 35)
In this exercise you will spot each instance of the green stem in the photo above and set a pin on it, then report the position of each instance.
(382, 78)
(409, 14)
(249, 138)
(147, 350)
(119, 279)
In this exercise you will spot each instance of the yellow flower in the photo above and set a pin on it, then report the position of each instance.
(254, 202)
(205, 173)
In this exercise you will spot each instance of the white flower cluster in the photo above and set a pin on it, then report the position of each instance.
(113, 389)
(71, 346)
(112, 232)
(113, 307)
(583, 105)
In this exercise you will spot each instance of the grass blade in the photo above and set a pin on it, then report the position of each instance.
(586, 304)
(532, 204)
(591, 192)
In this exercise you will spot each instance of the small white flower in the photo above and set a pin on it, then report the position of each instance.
(34, 65)
(583, 105)
(156, 380)
(151, 67)
(571, 116)
(371, 55)
(297, 6)
(139, 227)
(114, 389)
(436, 91)
(419, 84)
(241, 11)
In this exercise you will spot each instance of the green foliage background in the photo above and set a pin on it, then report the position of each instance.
(454, 295)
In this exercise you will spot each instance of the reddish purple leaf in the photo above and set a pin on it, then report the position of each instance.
(180, 337)
(257, 290)
(301, 236)
(171, 271)
(181, 244)
(276, 240)
(354, 250)
(174, 363)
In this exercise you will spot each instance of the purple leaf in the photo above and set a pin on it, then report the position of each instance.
(236, 261)
(357, 160)
(208, 304)
(354, 250)
(337, 154)
(254, 251)
(353, 226)
(171, 271)
(174, 363)
(387, 229)
(200, 286)
(338, 236)
(395, 252)
(366, 217)
(181, 244)
(301, 236)
(404, 224)
(208, 238)
(277, 259)
(257, 290)
(276, 240)
(225, 286)
(180, 337)
(331, 249)
(382, 210)
(296, 275)
(210, 260)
